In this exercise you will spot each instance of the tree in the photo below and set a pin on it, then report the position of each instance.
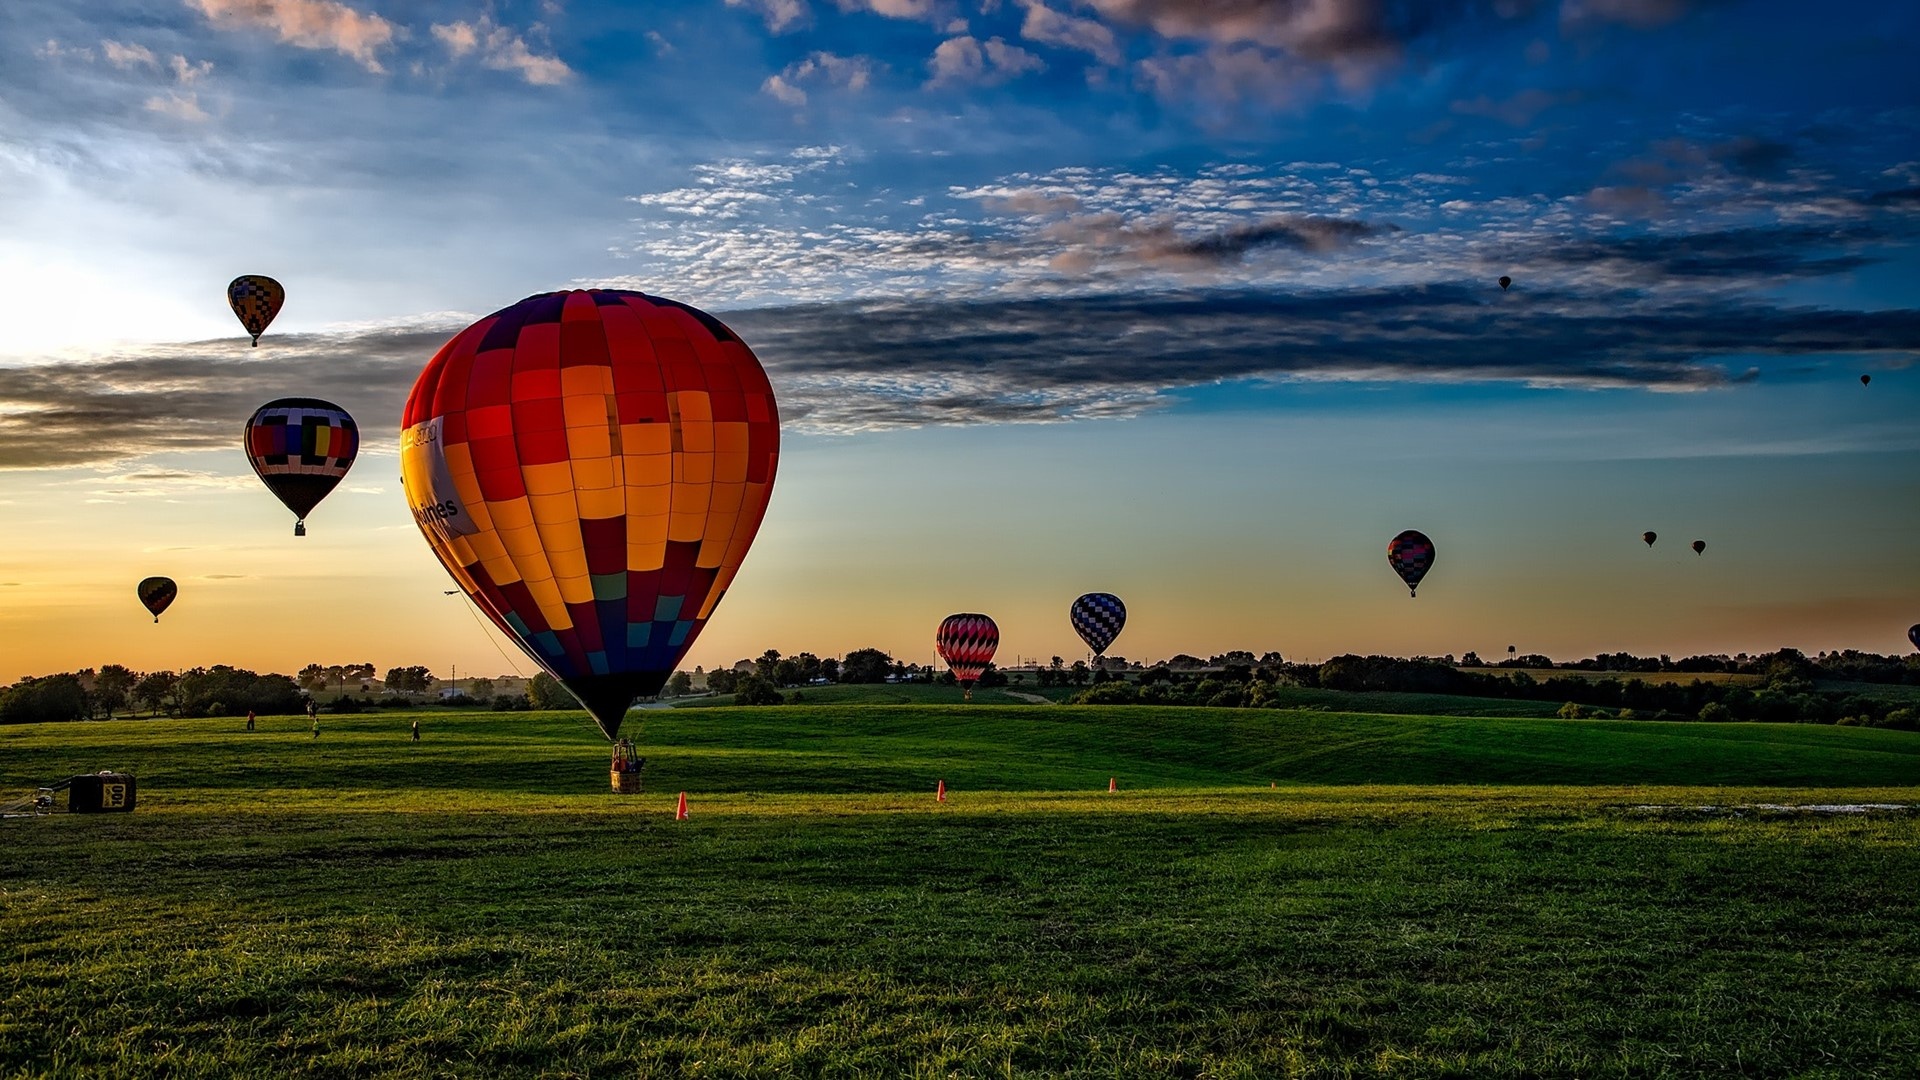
(1715, 713)
(680, 685)
(866, 666)
(407, 680)
(545, 692)
(754, 690)
(40, 700)
(111, 689)
(767, 667)
(722, 681)
(155, 690)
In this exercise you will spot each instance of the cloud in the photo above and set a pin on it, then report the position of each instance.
(177, 105)
(1029, 201)
(1642, 14)
(501, 49)
(853, 73)
(125, 56)
(1222, 77)
(892, 9)
(779, 14)
(864, 364)
(1092, 239)
(1516, 111)
(309, 24)
(964, 60)
(1050, 27)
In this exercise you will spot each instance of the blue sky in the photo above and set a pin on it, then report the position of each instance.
(998, 257)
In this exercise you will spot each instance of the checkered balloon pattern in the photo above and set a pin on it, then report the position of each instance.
(1411, 556)
(591, 467)
(156, 593)
(301, 448)
(256, 299)
(967, 642)
(1097, 618)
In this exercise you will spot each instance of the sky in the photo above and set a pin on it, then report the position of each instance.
(1191, 301)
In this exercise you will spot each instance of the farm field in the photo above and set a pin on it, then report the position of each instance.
(1416, 896)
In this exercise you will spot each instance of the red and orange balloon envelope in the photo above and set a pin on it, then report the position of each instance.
(967, 642)
(255, 299)
(1411, 556)
(155, 594)
(591, 467)
(301, 448)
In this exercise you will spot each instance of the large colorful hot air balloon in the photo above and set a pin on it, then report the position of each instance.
(1098, 618)
(301, 448)
(1411, 556)
(591, 466)
(1699, 547)
(966, 642)
(156, 593)
(1649, 537)
(256, 299)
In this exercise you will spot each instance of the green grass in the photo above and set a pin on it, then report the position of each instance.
(1652, 678)
(476, 905)
(900, 694)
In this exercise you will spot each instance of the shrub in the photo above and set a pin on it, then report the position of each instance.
(1107, 693)
(1715, 713)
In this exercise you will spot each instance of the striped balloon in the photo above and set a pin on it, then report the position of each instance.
(967, 642)
(1411, 556)
(156, 593)
(1098, 618)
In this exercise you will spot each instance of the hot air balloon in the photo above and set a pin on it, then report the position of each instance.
(966, 642)
(1098, 618)
(1865, 379)
(156, 593)
(301, 448)
(1504, 282)
(1699, 547)
(1411, 556)
(1649, 537)
(591, 467)
(256, 299)
(1913, 635)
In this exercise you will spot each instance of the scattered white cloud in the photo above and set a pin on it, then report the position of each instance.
(853, 73)
(1049, 27)
(501, 49)
(123, 56)
(780, 15)
(966, 61)
(309, 24)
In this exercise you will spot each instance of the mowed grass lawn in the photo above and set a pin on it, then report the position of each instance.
(1414, 897)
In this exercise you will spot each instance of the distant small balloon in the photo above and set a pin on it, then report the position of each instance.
(156, 593)
(255, 299)
(1913, 635)
(1865, 379)
(1098, 619)
(1504, 282)
(1699, 546)
(1411, 556)
(1649, 537)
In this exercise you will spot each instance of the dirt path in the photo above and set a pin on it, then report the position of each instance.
(1034, 698)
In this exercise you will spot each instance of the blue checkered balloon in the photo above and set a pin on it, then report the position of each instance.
(1097, 618)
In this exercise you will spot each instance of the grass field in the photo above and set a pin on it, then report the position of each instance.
(1418, 897)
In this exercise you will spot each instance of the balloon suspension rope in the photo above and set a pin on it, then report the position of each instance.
(468, 604)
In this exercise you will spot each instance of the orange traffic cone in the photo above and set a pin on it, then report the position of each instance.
(680, 812)
(1113, 783)
(941, 794)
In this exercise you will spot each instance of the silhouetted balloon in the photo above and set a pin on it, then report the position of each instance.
(1098, 618)
(1913, 635)
(591, 467)
(256, 300)
(1411, 556)
(1649, 537)
(1699, 546)
(156, 593)
(1865, 379)
(1504, 282)
(967, 642)
(301, 448)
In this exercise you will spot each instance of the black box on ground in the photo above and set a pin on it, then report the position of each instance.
(100, 793)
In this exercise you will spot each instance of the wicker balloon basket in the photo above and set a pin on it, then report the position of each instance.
(627, 767)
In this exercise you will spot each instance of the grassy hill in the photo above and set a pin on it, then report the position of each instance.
(1407, 903)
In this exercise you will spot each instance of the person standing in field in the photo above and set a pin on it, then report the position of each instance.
(416, 730)
(249, 719)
